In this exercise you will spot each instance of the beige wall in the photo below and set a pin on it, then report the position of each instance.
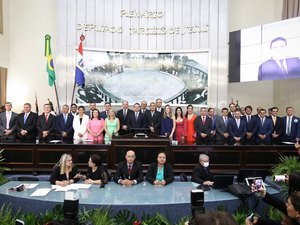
(4, 38)
(29, 21)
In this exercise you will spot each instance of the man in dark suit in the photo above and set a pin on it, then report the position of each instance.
(201, 173)
(64, 124)
(211, 114)
(122, 115)
(26, 124)
(237, 129)
(136, 120)
(277, 126)
(222, 135)
(203, 126)
(8, 123)
(232, 108)
(107, 107)
(90, 111)
(291, 126)
(46, 124)
(73, 110)
(144, 107)
(264, 128)
(279, 66)
(250, 125)
(153, 119)
(129, 172)
(159, 107)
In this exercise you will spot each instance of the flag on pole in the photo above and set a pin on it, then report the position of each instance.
(79, 74)
(50, 64)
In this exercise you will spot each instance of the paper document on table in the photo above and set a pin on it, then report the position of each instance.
(30, 186)
(71, 187)
(40, 192)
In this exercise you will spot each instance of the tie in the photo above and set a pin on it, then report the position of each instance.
(129, 169)
(282, 67)
(288, 128)
(152, 113)
(136, 116)
(203, 120)
(124, 113)
(238, 123)
(225, 120)
(46, 117)
(248, 119)
(25, 117)
(8, 116)
(274, 120)
(262, 121)
(65, 118)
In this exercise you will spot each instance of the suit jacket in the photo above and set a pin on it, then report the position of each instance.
(200, 128)
(12, 125)
(278, 126)
(29, 126)
(221, 127)
(295, 129)
(265, 129)
(271, 70)
(103, 115)
(161, 110)
(132, 122)
(235, 131)
(80, 128)
(123, 120)
(66, 127)
(250, 125)
(201, 175)
(153, 121)
(49, 126)
(122, 172)
(152, 171)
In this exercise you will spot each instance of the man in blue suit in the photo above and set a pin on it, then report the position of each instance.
(264, 128)
(136, 120)
(64, 124)
(279, 66)
(291, 126)
(250, 125)
(237, 129)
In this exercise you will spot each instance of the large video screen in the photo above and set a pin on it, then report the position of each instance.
(266, 52)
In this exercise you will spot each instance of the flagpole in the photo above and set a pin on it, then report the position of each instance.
(73, 93)
(56, 95)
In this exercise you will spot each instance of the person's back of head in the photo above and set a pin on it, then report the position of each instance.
(294, 181)
(214, 218)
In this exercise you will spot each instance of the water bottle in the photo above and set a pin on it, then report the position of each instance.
(37, 140)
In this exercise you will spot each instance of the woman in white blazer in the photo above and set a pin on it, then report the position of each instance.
(80, 125)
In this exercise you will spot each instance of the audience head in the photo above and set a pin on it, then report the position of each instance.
(152, 106)
(274, 111)
(94, 160)
(81, 110)
(243, 111)
(136, 107)
(258, 109)
(232, 107)
(158, 103)
(248, 109)
(111, 114)
(203, 111)
(189, 110)
(238, 114)
(27, 108)
(178, 112)
(161, 158)
(7, 106)
(293, 205)
(168, 111)
(65, 109)
(224, 112)
(65, 162)
(294, 181)
(96, 114)
(262, 113)
(211, 112)
(125, 104)
(47, 108)
(73, 108)
(130, 156)
(289, 110)
(204, 160)
(107, 106)
(93, 106)
(213, 218)
(143, 104)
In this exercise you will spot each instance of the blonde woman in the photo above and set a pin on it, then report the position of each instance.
(112, 125)
(64, 171)
(168, 123)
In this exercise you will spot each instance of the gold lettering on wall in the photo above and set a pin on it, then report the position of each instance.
(141, 14)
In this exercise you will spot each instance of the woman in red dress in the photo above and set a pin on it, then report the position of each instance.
(181, 126)
(190, 116)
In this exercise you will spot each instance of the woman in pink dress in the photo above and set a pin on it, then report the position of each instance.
(190, 116)
(181, 126)
(95, 127)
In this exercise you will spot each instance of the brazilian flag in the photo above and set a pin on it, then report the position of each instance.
(50, 64)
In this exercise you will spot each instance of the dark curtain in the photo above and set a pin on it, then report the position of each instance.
(290, 9)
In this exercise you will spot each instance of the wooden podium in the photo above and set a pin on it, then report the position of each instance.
(146, 148)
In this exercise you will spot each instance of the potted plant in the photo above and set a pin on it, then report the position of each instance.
(3, 179)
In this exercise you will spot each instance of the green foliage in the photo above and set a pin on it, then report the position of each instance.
(125, 217)
(55, 214)
(183, 220)
(240, 214)
(102, 216)
(157, 219)
(29, 218)
(3, 179)
(286, 165)
(274, 214)
(7, 216)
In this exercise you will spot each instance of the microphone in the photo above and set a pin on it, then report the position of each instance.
(104, 178)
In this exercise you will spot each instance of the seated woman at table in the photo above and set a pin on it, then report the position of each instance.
(97, 173)
(160, 172)
(64, 171)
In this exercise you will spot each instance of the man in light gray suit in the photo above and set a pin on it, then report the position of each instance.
(8, 123)
(222, 135)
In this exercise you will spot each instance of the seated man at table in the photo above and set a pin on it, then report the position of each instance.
(201, 174)
(129, 172)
